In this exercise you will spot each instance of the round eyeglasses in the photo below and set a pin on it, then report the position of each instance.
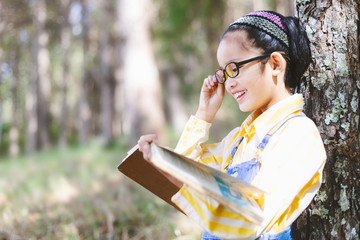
(232, 69)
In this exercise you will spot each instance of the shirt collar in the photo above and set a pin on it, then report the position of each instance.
(263, 123)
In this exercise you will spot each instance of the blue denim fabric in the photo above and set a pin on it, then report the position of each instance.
(284, 235)
(245, 171)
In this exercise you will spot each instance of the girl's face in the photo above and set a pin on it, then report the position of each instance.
(255, 88)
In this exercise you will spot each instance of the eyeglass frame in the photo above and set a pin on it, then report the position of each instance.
(239, 64)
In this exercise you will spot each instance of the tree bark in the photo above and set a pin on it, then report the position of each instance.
(84, 109)
(174, 103)
(14, 129)
(119, 92)
(1, 119)
(143, 98)
(65, 46)
(285, 7)
(31, 140)
(43, 60)
(331, 93)
(257, 5)
(106, 79)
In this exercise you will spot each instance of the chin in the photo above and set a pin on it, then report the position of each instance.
(245, 108)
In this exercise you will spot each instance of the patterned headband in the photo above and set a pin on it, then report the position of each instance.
(266, 21)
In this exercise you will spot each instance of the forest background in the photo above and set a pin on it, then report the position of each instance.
(81, 80)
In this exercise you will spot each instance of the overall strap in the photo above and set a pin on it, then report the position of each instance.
(233, 152)
(267, 137)
(235, 148)
(265, 140)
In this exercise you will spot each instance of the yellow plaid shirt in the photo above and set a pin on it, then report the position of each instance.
(290, 169)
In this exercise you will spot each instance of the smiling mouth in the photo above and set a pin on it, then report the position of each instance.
(238, 96)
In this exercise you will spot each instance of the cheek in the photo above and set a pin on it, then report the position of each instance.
(227, 86)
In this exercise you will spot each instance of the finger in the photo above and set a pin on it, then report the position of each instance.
(211, 82)
(214, 80)
(146, 152)
(144, 147)
(208, 83)
(148, 139)
(144, 144)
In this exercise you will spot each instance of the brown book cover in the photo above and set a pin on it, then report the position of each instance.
(139, 170)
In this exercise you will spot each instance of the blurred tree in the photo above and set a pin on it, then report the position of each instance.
(57, 88)
(332, 99)
(31, 106)
(257, 5)
(119, 91)
(285, 7)
(14, 129)
(66, 77)
(106, 76)
(84, 112)
(43, 80)
(187, 35)
(143, 98)
(1, 119)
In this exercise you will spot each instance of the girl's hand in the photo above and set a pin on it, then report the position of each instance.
(144, 145)
(211, 97)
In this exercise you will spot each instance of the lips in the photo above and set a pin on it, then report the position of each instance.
(239, 95)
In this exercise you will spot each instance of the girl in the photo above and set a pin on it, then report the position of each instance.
(262, 57)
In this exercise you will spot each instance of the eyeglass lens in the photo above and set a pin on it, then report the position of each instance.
(220, 77)
(232, 70)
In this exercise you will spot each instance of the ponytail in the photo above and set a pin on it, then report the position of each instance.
(299, 53)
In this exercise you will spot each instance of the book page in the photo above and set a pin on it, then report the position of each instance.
(222, 187)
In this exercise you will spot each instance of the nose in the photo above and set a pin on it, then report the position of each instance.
(230, 83)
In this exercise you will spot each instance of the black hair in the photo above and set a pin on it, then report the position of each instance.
(298, 51)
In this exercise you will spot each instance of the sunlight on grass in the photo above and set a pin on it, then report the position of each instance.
(78, 193)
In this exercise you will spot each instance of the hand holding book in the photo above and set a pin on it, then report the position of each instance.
(167, 165)
(144, 145)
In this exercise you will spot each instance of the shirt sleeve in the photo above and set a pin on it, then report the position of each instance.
(191, 144)
(290, 174)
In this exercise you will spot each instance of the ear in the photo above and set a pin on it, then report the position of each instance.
(277, 64)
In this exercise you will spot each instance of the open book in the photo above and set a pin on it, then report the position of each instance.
(222, 187)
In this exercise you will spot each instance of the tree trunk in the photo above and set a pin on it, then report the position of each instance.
(43, 61)
(234, 9)
(331, 95)
(1, 119)
(84, 109)
(174, 103)
(31, 139)
(119, 93)
(106, 78)
(65, 45)
(144, 111)
(257, 5)
(14, 129)
(285, 7)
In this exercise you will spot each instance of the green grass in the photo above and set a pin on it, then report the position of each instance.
(78, 193)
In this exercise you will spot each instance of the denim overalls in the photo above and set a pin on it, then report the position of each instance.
(246, 171)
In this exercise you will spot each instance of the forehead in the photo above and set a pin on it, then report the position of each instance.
(235, 46)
